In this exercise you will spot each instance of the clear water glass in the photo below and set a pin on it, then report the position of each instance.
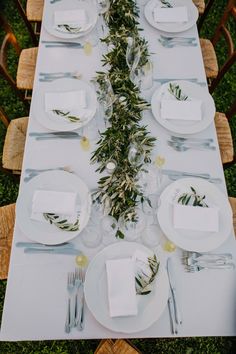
(91, 237)
(133, 229)
(151, 236)
(135, 155)
(109, 228)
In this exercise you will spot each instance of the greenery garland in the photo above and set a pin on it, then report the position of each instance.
(120, 192)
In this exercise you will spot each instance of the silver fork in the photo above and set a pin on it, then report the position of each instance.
(196, 268)
(80, 324)
(67, 323)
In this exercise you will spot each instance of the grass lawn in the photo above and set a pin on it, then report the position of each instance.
(223, 97)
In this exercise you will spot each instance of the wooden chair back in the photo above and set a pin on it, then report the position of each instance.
(9, 39)
(4, 118)
(26, 21)
(205, 13)
(223, 30)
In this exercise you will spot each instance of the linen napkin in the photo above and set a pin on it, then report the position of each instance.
(65, 100)
(181, 110)
(121, 287)
(195, 218)
(73, 18)
(64, 105)
(59, 203)
(174, 14)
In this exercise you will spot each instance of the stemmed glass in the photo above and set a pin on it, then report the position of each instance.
(109, 228)
(133, 229)
(135, 155)
(133, 55)
(107, 98)
(103, 6)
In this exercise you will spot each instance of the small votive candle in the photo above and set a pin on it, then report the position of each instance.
(110, 166)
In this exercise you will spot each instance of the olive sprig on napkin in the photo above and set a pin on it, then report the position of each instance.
(193, 199)
(61, 224)
(145, 275)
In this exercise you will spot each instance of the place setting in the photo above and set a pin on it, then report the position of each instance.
(53, 208)
(70, 19)
(171, 16)
(65, 105)
(183, 107)
(194, 214)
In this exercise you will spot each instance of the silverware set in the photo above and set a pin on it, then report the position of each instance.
(183, 144)
(191, 79)
(62, 44)
(174, 175)
(49, 77)
(174, 310)
(75, 304)
(194, 261)
(32, 172)
(63, 248)
(55, 135)
(171, 42)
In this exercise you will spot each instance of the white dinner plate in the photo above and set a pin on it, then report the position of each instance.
(172, 27)
(150, 307)
(192, 240)
(192, 90)
(53, 122)
(61, 181)
(89, 6)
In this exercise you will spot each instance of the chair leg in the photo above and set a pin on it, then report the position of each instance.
(204, 15)
(222, 72)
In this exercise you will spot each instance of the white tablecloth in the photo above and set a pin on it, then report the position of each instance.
(36, 295)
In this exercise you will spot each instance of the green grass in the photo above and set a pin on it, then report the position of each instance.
(9, 189)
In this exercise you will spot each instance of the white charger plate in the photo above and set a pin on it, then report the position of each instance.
(192, 240)
(61, 181)
(50, 121)
(192, 90)
(150, 307)
(172, 27)
(48, 22)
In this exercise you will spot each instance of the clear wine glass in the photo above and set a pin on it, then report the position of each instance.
(133, 55)
(109, 228)
(133, 229)
(135, 155)
(107, 98)
(103, 6)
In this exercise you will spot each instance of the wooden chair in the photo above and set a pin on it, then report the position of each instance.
(233, 206)
(120, 346)
(200, 4)
(7, 221)
(32, 16)
(224, 135)
(14, 144)
(26, 64)
(204, 13)
(213, 73)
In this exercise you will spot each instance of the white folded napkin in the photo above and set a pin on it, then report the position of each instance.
(181, 110)
(77, 17)
(121, 287)
(195, 218)
(59, 203)
(174, 14)
(65, 100)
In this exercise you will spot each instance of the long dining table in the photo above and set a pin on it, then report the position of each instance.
(36, 295)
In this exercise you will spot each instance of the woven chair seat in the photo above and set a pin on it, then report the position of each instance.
(7, 221)
(233, 206)
(26, 68)
(121, 346)
(14, 144)
(34, 10)
(200, 4)
(224, 138)
(209, 58)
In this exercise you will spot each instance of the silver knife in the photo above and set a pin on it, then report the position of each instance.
(174, 328)
(69, 251)
(43, 246)
(178, 317)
